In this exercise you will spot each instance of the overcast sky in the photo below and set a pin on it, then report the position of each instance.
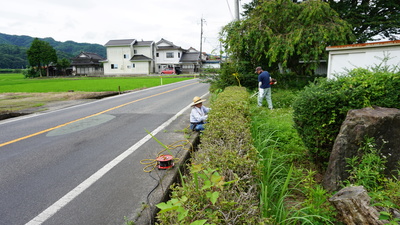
(178, 21)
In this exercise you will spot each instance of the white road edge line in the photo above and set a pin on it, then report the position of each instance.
(58, 205)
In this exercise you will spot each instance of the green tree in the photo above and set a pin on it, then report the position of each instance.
(40, 55)
(371, 19)
(280, 33)
(63, 64)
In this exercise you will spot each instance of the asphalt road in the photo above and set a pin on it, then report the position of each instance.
(81, 165)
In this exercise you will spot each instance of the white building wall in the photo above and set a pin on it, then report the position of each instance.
(115, 57)
(162, 57)
(343, 59)
(121, 56)
(146, 51)
(211, 65)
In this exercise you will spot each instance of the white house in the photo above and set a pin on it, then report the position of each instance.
(347, 57)
(169, 55)
(129, 57)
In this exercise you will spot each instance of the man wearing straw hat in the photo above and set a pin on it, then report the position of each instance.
(198, 115)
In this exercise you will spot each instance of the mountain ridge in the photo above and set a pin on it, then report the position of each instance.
(13, 49)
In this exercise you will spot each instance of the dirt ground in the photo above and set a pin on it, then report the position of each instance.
(15, 104)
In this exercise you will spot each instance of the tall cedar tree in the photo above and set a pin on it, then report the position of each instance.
(41, 54)
(280, 33)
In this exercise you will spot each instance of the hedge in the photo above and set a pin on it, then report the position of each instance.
(321, 108)
(221, 187)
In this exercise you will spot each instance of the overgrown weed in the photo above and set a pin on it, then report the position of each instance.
(290, 193)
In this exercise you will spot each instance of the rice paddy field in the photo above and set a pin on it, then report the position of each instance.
(10, 83)
(19, 94)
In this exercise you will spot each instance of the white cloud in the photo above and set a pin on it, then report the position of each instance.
(89, 21)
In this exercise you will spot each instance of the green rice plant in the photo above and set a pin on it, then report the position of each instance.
(17, 83)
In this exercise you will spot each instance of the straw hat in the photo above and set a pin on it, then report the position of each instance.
(197, 100)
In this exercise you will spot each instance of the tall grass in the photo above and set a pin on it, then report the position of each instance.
(289, 194)
(17, 83)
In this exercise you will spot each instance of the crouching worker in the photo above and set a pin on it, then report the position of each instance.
(198, 115)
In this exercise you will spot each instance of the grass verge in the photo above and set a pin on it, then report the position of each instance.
(290, 189)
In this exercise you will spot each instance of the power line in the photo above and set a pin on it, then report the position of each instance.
(230, 11)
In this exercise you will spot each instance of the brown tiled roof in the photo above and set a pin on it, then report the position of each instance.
(364, 45)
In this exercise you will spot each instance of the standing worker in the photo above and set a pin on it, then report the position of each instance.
(198, 115)
(264, 87)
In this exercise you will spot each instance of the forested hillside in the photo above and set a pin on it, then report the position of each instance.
(13, 50)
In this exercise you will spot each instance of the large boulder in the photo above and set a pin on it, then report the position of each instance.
(381, 123)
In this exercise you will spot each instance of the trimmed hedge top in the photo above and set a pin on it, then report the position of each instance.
(221, 187)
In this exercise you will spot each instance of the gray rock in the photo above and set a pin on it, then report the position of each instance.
(353, 206)
(381, 123)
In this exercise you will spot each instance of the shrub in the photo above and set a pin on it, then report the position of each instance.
(321, 107)
(294, 81)
(31, 73)
(224, 171)
(223, 79)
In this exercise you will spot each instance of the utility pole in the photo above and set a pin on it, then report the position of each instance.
(237, 10)
(201, 45)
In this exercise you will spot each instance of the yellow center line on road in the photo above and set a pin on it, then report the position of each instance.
(107, 110)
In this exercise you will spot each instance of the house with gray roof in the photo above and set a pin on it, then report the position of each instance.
(133, 57)
(88, 64)
(129, 57)
(169, 55)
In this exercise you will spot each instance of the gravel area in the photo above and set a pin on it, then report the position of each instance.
(17, 104)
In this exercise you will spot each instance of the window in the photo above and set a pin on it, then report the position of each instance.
(114, 66)
(157, 54)
(135, 51)
(133, 65)
(179, 54)
(126, 56)
(170, 55)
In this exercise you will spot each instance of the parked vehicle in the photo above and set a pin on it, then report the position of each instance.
(176, 71)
